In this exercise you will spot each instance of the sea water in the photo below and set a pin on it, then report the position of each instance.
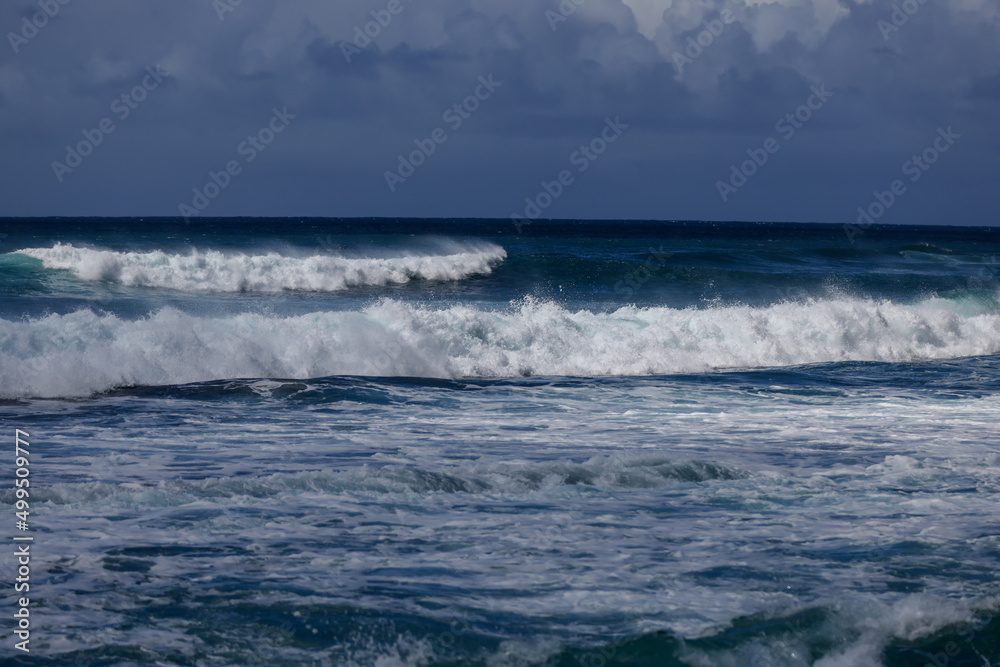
(465, 442)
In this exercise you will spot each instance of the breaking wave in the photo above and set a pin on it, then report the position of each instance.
(85, 352)
(215, 271)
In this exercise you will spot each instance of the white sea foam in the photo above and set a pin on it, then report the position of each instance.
(215, 271)
(83, 352)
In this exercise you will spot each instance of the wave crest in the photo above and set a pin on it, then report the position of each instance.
(84, 352)
(215, 271)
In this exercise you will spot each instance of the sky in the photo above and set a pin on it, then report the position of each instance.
(772, 110)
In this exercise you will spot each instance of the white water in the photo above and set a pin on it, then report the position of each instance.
(84, 352)
(215, 271)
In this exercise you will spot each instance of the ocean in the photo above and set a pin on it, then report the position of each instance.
(474, 443)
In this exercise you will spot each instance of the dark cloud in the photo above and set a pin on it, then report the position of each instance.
(559, 79)
(987, 88)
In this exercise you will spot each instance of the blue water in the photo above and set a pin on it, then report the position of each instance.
(453, 442)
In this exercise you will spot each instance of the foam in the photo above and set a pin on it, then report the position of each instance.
(600, 472)
(215, 271)
(858, 630)
(84, 352)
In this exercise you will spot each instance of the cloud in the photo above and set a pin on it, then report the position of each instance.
(609, 57)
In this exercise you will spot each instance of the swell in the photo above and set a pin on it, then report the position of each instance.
(913, 633)
(615, 473)
(216, 271)
(85, 352)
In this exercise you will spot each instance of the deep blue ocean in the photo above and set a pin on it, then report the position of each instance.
(463, 443)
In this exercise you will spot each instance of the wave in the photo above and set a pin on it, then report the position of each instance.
(215, 271)
(612, 473)
(85, 352)
(917, 630)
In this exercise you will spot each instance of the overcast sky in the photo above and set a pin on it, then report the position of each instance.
(681, 90)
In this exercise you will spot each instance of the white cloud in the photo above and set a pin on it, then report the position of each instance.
(809, 21)
(648, 14)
